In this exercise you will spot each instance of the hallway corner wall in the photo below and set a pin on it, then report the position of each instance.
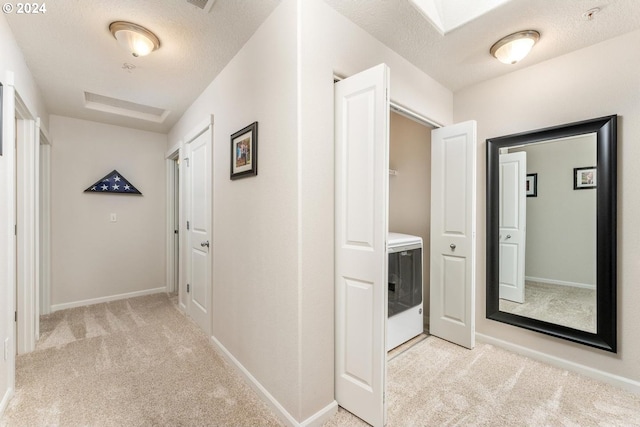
(12, 63)
(92, 258)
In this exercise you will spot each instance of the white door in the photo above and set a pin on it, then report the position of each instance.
(361, 203)
(513, 217)
(453, 222)
(199, 245)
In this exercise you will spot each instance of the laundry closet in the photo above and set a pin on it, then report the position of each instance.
(409, 223)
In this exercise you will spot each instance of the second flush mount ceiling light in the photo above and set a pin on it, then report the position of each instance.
(134, 38)
(514, 47)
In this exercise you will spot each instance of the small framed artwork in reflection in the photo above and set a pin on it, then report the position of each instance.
(584, 178)
(531, 185)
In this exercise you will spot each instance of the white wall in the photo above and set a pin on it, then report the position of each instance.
(13, 62)
(561, 221)
(255, 232)
(410, 190)
(273, 234)
(594, 82)
(92, 258)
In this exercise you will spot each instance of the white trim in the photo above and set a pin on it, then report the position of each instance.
(560, 282)
(184, 215)
(316, 419)
(6, 399)
(37, 210)
(92, 301)
(404, 111)
(45, 225)
(171, 152)
(27, 218)
(322, 416)
(7, 236)
(609, 378)
(198, 129)
(171, 247)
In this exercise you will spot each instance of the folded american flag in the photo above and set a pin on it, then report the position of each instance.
(113, 182)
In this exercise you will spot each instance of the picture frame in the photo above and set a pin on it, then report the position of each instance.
(244, 152)
(585, 178)
(531, 185)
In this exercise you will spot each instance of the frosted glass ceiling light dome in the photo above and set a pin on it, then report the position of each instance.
(514, 47)
(136, 39)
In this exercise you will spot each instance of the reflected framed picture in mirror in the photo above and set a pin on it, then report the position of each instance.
(584, 178)
(531, 185)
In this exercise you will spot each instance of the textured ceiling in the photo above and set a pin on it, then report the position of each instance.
(70, 50)
(462, 58)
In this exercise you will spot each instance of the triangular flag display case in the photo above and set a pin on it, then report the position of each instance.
(113, 182)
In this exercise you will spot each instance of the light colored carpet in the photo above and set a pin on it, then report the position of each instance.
(140, 362)
(436, 383)
(564, 305)
(136, 362)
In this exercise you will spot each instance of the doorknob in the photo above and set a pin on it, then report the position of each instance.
(453, 247)
(203, 244)
(508, 236)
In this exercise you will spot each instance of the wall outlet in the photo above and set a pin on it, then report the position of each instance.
(6, 348)
(114, 218)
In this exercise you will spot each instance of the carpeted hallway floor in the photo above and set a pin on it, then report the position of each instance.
(135, 362)
(140, 362)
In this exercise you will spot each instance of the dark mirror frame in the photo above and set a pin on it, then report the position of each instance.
(605, 128)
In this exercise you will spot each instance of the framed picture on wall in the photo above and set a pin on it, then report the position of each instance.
(584, 178)
(244, 152)
(531, 185)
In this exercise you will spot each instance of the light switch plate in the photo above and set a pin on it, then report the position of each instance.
(114, 218)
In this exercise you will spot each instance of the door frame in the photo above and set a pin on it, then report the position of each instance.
(173, 193)
(185, 183)
(423, 120)
(27, 134)
(179, 152)
(43, 287)
(8, 194)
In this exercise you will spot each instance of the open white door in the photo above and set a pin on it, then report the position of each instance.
(453, 233)
(513, 217)
(361, 198)
(198, 189)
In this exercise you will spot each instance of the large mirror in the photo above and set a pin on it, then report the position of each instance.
(551, 231)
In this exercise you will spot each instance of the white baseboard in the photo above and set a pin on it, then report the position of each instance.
(560, 282)
(616, 380)
(5, 400)
(315, 420)
(93, 301)
(322, 416)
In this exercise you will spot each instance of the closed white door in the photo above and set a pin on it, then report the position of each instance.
(453, 221)
(513, 217)
(361, 203)
(199, 246)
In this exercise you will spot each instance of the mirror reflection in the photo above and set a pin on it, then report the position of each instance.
(547, 231)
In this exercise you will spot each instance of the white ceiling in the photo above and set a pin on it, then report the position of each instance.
(70, 50)
(461, 57)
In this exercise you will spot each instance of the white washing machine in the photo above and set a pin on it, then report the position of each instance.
(404, 288)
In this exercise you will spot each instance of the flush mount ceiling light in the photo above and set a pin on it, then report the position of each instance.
(136, 39)
(514, 47)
